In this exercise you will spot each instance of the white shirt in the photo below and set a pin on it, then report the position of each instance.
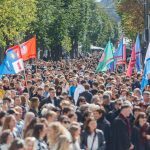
(90, 141)
(80, 88)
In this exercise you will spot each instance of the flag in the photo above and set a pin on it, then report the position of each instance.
(106, 58)
(138, 54)
(28, 49)
(146, 74)
(118, 55)
(12, 63)
(147, 54)
(132, 62)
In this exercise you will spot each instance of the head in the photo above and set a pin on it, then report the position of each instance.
(146, 96)
(136, 111)
(81, 101)
(34, 103)
(75, 131)
(40, 91)
(52, 92)
(64, 143)
(126, 110)
(30, 143)
(118, 104)
(39, 131)
(28, 118)
(106, 99)
(17, 101)
(17, 144)
(64, 120)
(73, 117)
(91, 125)
(6, 137)
(99, 113)
(141, 119)
(9, 123)
(50, 116)
(56, 129)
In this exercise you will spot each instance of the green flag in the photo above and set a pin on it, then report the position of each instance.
(106, 58)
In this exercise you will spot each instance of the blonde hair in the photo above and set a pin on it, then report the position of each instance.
(58, 130)
(28, 117)
(63, 143)
(28, 140)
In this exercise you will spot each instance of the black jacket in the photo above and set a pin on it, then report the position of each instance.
(120, 135)
(101, 139)
(104, 125)
(88, 96)
(48, 100)
(137, 141)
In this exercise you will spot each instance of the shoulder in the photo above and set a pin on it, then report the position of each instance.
(100, 132)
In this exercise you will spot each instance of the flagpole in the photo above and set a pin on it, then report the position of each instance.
(25, 77)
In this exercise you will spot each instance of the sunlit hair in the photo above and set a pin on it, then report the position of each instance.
(57, 130)
(28, 142)
(63, 143)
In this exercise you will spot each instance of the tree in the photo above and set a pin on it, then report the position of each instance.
(132, 16)
(15, 19)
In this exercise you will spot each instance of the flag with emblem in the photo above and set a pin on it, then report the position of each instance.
(12, 63)
(106, 59)
(28, 49)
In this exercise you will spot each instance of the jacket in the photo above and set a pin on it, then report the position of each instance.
(101, 139)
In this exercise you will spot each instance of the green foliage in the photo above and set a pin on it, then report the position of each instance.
(59, 24)
(132, 17)
(15, 20)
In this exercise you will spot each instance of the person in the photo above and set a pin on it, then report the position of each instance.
(75, 131)
(121, 130)
(79, 89)
(141, 133)
(55, 129)
(103, 124)
(63, 143)
(30, 143)
(88, 96)
(6, 139)
(10, 123)
(92, 138)
(27, 120)
(34, 104)
(39, 132)
(28, 131)
(2, 117)
(17, 144)
(51, 99)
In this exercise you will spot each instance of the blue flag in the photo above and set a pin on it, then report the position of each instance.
(145, 75)
(118, 55)
(12, 63)
(138, 54)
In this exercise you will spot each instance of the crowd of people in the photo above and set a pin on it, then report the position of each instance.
(65, 105)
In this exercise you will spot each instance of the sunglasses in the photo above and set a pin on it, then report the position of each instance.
(66, 122)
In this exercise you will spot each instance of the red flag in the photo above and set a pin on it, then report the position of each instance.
(132, 62)
(28, 49)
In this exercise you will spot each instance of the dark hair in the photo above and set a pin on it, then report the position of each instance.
(2, 114)
(66, 110)
(37, 129)
(16, 144)
(87, 123)
(141, 115)
(33, 122)
(62, 118)
(4, 136)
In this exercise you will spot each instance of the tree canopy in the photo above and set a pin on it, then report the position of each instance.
(60, 25)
